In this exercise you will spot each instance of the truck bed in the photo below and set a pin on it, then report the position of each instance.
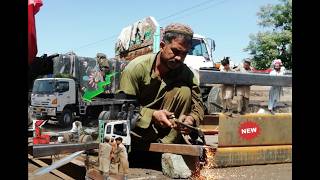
(107, 101)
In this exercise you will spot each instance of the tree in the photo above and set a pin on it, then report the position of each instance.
(276, 43)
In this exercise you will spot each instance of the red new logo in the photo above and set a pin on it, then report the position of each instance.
(249, 130)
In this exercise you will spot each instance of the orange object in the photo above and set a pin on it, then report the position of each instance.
(42, 139)
(39, 138)
(217, 65)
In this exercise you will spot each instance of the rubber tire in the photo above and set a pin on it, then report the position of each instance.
(85, 138)
(66, 118)
(214, 96)
(104, 115)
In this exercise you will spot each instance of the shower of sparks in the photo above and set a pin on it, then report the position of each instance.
(204, 167)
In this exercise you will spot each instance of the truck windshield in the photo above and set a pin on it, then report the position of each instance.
(199, 48)
(44, 87)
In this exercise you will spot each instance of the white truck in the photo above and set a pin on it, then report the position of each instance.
(61, 98)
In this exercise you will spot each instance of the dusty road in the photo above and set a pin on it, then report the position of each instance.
(255, 172)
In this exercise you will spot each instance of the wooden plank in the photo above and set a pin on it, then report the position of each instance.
(210, 120)
(183, 149)
(208, 77)
(240, 156)
(255, 129)
(55, 172)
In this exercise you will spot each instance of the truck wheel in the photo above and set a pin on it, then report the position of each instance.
(85, 138)
(213, 101)
(66, 118)
(104, 115)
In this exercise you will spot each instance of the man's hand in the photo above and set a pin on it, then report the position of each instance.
(186, 120)
(161, 117)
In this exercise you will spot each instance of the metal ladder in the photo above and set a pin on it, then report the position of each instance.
(101, 130)
(82, 109)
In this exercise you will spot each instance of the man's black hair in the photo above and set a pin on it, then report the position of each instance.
(225, 61)
(119, 139)
(168, 36)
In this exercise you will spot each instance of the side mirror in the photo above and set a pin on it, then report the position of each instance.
(213, 45)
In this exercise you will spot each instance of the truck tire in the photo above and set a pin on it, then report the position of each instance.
(66, 118)
(104, 115)
(85, 138)
(213, 100)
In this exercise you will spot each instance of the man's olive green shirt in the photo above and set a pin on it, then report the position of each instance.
(138, 79)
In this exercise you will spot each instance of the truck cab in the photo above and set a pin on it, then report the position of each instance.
(200, 54)
(53, 97)
(119, 128)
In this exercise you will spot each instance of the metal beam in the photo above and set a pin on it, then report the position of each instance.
(51, 149)
(208, 77)
(241, 156)
(255, 129)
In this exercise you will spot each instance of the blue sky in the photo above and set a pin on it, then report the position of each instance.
(88, 27)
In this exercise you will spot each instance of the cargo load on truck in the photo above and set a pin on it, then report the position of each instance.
(86, 71)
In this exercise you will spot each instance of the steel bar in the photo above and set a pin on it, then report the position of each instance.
(240, 156)
(51, 149)
(208, 77)
(57, 164)
(43, 164)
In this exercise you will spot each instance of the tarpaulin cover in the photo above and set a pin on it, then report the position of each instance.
(86, 71)
(136, 36)
(33, 8)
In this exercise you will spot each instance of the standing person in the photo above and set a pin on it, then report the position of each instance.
(243, 91)
(122, 154)
(104, 157)
(227, 91)
(163, 85)
(275, 91)
(114, 166)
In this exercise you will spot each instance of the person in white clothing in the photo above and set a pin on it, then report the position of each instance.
(275, 91)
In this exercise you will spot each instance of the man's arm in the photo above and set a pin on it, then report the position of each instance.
(197, 107)
(129, 88)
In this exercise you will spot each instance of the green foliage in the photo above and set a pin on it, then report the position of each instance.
(276, 43)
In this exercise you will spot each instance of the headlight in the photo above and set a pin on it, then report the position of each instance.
(54, 101)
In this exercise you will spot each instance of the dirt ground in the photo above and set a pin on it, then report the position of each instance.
(259, 97)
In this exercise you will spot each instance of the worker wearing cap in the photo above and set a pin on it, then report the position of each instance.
(243, 91)
(105, 157)
(227, 90)
(122, 157)
(275, 91)
(163, 85)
